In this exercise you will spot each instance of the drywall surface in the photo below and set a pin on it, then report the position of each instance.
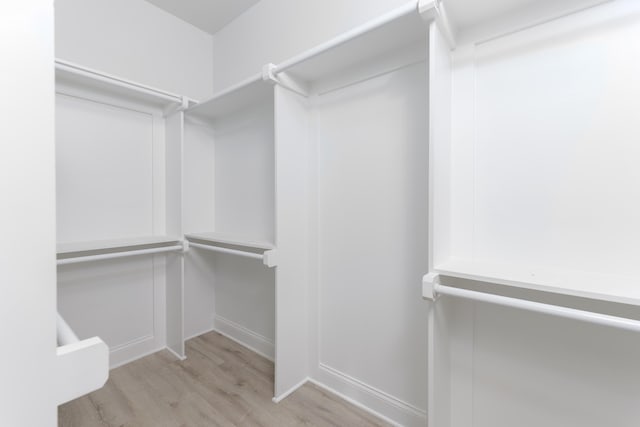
(274, 30)
(138, 41)
(534, 370)
(372, 242)
(27, 217)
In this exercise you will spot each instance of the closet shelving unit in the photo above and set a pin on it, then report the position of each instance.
(229, 213)
(533, 183)
(544, 176)
(358, 99)
(75, 81)
(233, 206)
(249, 156)
(118, 148)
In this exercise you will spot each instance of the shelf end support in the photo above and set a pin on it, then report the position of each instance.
(283, 80)
(270, 258)
(429, 282)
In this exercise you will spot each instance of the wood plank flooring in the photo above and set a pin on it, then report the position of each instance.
(221, 383)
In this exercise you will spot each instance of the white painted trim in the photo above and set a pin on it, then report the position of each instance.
(278, 399)
(245, 337)
(353, 402)
(143, 355)
(128, 353)
(181, 358)
(197, 334)
(368, 398)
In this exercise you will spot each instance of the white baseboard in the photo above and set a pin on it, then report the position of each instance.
(370, 399)
(286, 394)
(177, 356)
(134, 350)
(243, 336)
(206, 331)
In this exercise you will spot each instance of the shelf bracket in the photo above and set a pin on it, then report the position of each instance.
(434, 11)
(283, 80)
(184, 104)
(185, 246)
(429, 282)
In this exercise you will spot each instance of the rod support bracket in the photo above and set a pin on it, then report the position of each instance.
(270, 258)
(434, 11)
(268, 74)
(284, 80)
(428, 9)
(429, 282)
(185, 246)
(184, 104)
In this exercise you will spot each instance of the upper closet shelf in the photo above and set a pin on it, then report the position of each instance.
(401, 27)
(235, 98)
(70, 74)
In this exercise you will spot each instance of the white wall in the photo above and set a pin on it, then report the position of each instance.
(138, 41)
(372, 243)
(274, 30)
(27, 219)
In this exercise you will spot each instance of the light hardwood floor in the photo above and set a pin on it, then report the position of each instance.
(221, 383)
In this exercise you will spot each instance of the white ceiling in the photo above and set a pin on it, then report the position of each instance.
(208, 15)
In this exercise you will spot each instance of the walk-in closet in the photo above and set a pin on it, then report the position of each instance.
(337, 213)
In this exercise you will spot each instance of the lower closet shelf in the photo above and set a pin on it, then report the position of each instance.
(224, 243)
(72, 253)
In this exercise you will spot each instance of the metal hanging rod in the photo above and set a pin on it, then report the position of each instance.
(124, 254)
(537, 307)
(227, 251)
(79, 70)
(407, 9)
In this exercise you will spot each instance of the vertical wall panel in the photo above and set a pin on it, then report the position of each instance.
(372, 140)
(292, 224)
(104, 171)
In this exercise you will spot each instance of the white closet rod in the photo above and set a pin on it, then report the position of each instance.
(537, 307)
(112, 80)
(119, 255)
(65, 334)
(407, 9)
(227, 251)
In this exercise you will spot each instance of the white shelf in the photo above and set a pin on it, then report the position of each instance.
(74, 75)
(400, 27)
(236, 98)
(605, 287)
(214, 238)
(116, 244)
